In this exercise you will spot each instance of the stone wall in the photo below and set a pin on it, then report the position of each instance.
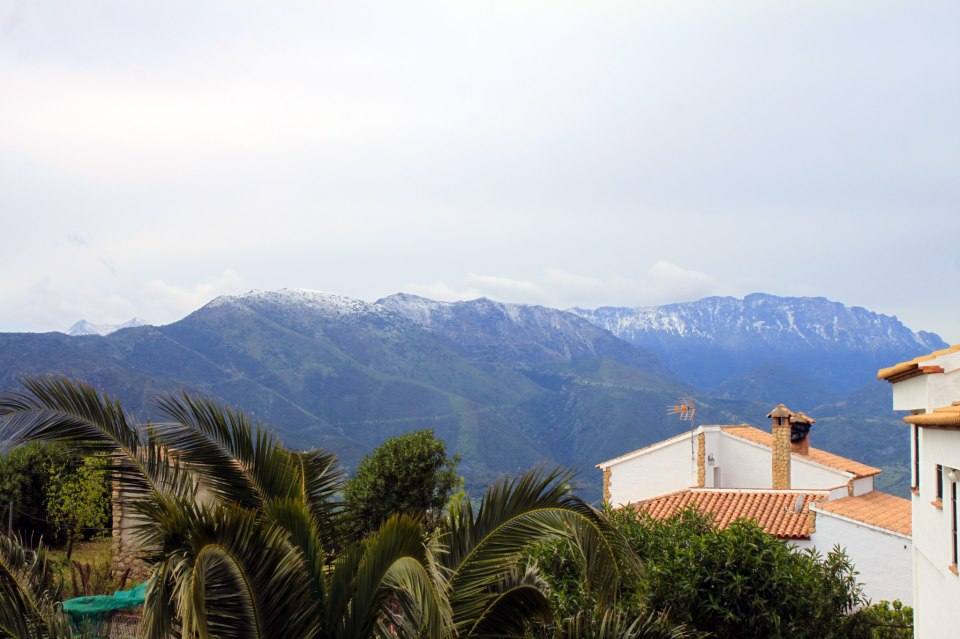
(125, 548)
(701, 460)
(780, 454)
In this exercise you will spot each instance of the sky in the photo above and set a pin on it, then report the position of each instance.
(156, 155)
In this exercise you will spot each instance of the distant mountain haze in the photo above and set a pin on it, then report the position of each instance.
(506, 385)
(746, 347)
(83, 327)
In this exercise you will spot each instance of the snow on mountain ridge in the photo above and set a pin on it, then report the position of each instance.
(812, 321)
(84, 327)
(301, 298)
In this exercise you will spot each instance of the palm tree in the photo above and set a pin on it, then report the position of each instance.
(243, 538)
(28, 595)
(611, 624)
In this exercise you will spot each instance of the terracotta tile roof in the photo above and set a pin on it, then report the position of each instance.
(816, 455)
(945, 416)
(784, 514)
(914, 364)
(875, 508)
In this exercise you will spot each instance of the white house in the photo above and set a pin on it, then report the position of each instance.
(803, 495)
(929, 387)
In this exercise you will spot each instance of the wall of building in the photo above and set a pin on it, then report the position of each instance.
(944, 389)
(932, 531)
(125, 546)
(936, 613)
(936, 587)
(883, 559)
(744, 464)
(862, 486)
(662, 469)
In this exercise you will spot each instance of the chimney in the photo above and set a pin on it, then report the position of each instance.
(780, 458)
(800, 424)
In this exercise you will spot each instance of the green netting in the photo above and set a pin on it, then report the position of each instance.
(80, 607)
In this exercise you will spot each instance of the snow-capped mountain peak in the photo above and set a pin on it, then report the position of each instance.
(83, 327)
(763, 318)
(300, 299)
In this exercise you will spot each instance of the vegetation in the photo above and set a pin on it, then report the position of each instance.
(25, 482)
(252, 555)
(732, 582)
(246, 539)
(410, 474)
(78, 500)
(883, 620)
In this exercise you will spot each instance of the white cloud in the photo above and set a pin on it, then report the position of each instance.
(669, 282)
(175, 301)
(663, 282)
(356, 149)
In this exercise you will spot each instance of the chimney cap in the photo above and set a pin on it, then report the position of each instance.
(780, 411)
(801, 417)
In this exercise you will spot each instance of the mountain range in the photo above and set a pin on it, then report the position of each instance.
(83, 327)
(506, 385)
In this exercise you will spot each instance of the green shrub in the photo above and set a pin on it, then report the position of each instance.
(883, 620)
(410, 474)
(732, 582)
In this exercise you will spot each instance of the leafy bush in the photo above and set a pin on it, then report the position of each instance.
(25, 481)
(882, 620)
(733, 582)
(78, 501)
(410, 474)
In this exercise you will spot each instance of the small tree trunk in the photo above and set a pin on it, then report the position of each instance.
(69, 544)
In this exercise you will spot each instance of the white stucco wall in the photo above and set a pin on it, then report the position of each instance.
(936, 588)
(805, 474)
(745, 464)
(883, 559)
(926, 392)
(663, 468)
(944, 389)
(862, 486)
(936, 608)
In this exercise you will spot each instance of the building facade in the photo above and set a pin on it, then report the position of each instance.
(929, 388)
(806, 496)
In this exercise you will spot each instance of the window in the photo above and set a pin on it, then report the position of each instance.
(916, 458)
(939, 482)
(953, 522)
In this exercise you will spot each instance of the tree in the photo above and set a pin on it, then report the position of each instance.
(740, 581)
(78, 500)
(25, 481)
(882, 620)
(409, 474)
(254, 558)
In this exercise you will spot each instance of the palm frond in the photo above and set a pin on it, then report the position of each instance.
(27, 594)
(236, 577)
(62, 410)
(392, 567)
(234, 459)
(515, 514)
(322, 481)
(612, 624)
(520, 598)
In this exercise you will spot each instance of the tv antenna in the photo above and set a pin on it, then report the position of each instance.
(685, 408)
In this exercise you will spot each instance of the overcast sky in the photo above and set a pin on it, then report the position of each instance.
(155, 155)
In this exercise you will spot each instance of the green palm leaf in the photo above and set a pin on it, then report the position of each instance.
(27, 594)
(515, 514)
(615, 625)
(392, 567)
(59, 409)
